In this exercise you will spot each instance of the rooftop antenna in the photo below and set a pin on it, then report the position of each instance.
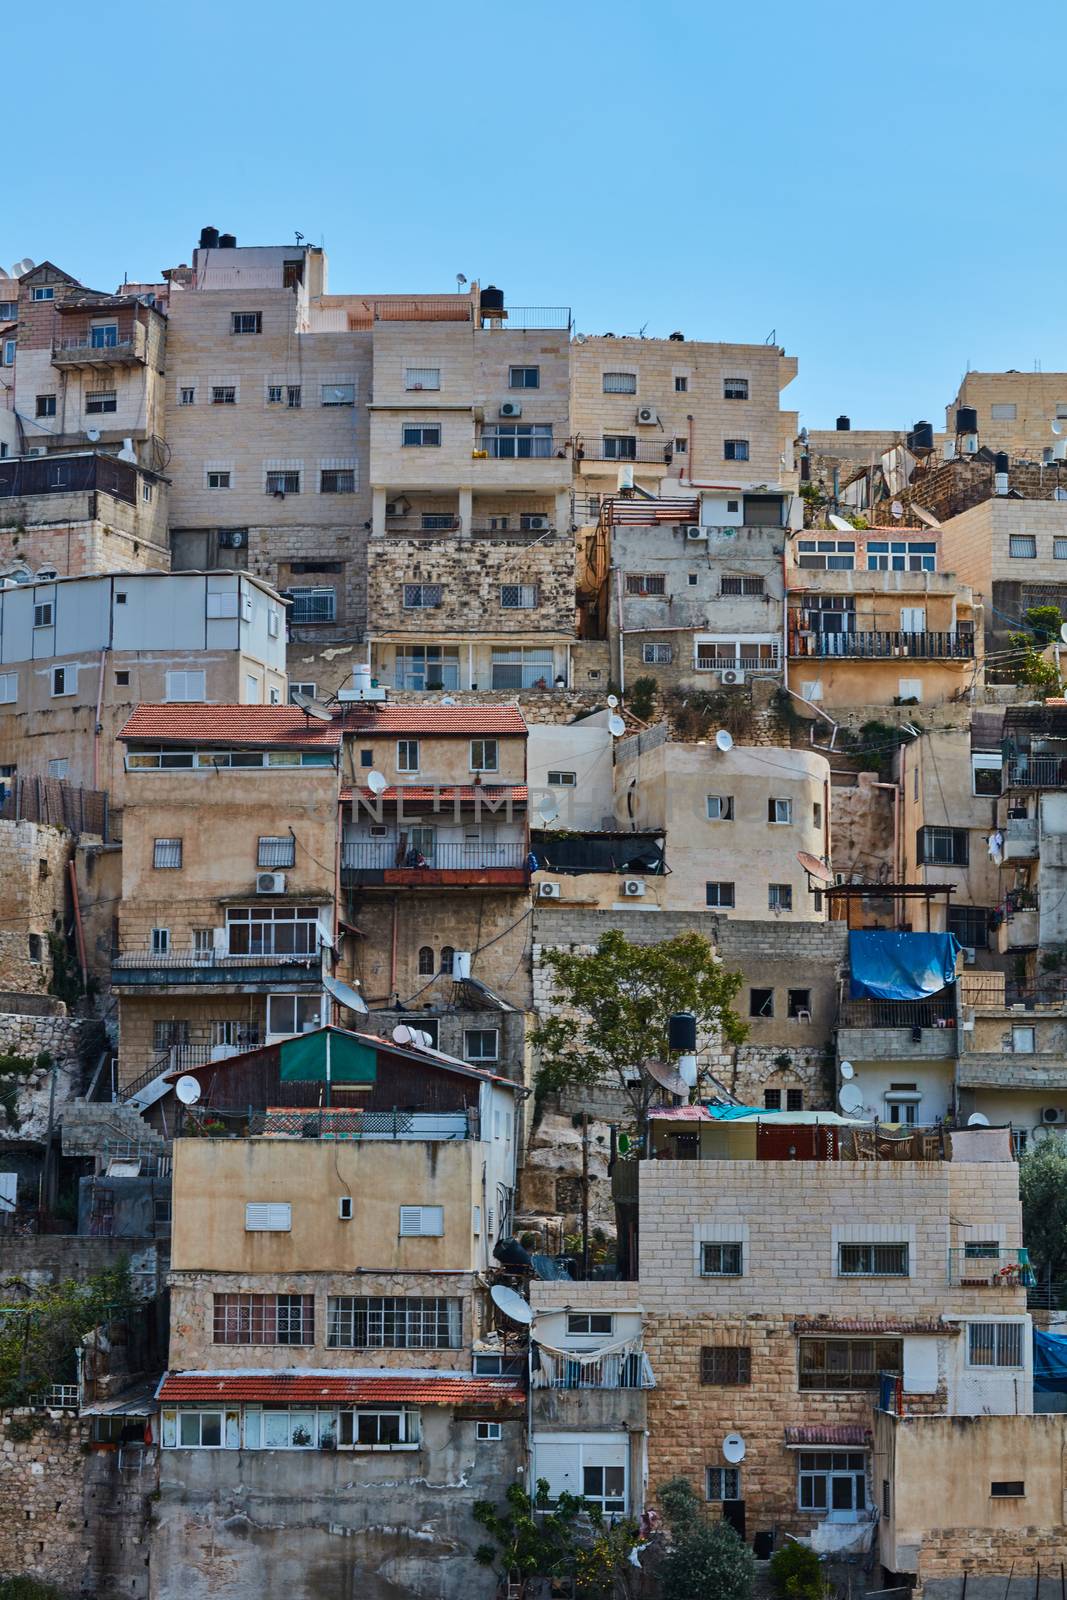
(461, 279)
(299, 236)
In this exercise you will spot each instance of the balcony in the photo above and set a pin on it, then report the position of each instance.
(445, 526)
(978, 1266)
(951, 646)
(94, 352)
(1037, 772)
(344, 1124)
(620, 1369)
(503, 863)
(1020, 839)
(192, 970)
(623, 450)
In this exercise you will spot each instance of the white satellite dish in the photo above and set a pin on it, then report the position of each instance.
(733, 1448)
(897, 509)
(1063, 631)
(548, 809)
(616, 725)
(850, 1098)
(377, 782)
(27, 264)
(840, 523)
(1056, 426)
(448, 700)
(724, 741)
(92, 434)
(401, 1034)
(978, 1119)
(344, 994)
(310, 707)
(613, 701)
(847, 1070)
(188, 1090)
(925, 516)
(511, 1304)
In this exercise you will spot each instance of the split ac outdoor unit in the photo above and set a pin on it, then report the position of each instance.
(232, 538)
(270, 883)
(511, 408)
(647, 417)
(548, 891)
(536, 524)
(694, 531)
(968, 955)
(1053, 1114)
(632, 886)
(732, 675)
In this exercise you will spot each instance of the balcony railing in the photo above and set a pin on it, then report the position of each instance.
(979, 1267)
(146, 968)
(620, 1369)
(934, 1013)
(1038, 772)
(886, 646)
(85, 351)
(1017, 900)
(736, 664)
(523, 317)
(443, 857)
(413, 527)
(343, 1124)
(659, 450)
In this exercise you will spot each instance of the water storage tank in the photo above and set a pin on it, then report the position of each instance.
(844, 424)
(1001, 463)
(921, 437)
(682, 1031)
(492, 300)
(966, 419)
(209, 238)
(227, 241)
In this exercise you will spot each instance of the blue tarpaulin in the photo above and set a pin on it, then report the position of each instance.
(1050, 1362)
(900, 966)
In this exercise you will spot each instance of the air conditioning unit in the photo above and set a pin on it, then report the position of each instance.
(548, 891)
(536, 524)
(732, 675)
(233, 538)
(647, 417)
(968, 955)
(511, 408)
(1053, 1115)
(270, 883)
(632, 887)
(695, 531)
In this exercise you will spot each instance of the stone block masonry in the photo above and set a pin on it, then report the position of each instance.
(42, 1467)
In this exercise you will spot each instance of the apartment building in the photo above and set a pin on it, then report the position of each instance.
(326, 1299)
(1030, 839)
(1012, 553)
(1013, 411)
(77, 654)
(228, 879)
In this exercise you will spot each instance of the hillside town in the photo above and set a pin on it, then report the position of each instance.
(663, 879)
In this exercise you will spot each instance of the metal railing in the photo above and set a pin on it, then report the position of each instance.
(199, 961)
(523, 317)
(1048, 1296)
(79, 348)
(181, 1057)
(380, 856)
(937, 1012)
(56, 1397)
(350, 1123)
(516, 535)
(1038, 772)
(990, 1267)
(660, 450)
(424, 308)
(1021, 900)
(616, 1370)
(737, 664)
(884, 646)
(414, 526)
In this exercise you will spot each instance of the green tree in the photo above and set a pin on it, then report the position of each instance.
(1029, 666)
(530, 1538)
(797, 1573)
(707, 1560)
(619, 999)
(1043, 1191)
(1044, 623)
(39, 1336)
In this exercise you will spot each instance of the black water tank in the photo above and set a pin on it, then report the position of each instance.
(227, 241)
(966, 419)
(492, 299)
(510, 1253)
(921, 437)
(844, 424)
(1001, 461)
(682, 1032)
(209, 238)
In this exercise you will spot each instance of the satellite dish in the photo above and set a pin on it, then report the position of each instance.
(1063, 631)
(310, 707)
(188, 1090)
(616, 725)
(978, 1119)
(401, 1034)
(666, 1076)
(511, 1304)
(897, 509)
(377, 782)
(1056, 426)
(840, 524)
(25, 265)
(344, 994)
(847, 1070)
(850, 1098)
(448, 700)
(92, 434)
(548, 809)
(814, 867)
(724, 741)
(733, 1448)
(925, 516)
(613, 701)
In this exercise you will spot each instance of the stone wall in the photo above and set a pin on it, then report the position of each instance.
(28, 1263)
(41, 1514)
(119, 1488)
(59, 1038)
(862, 829)
(33, 900)
(1022, 1554)
(471, 572)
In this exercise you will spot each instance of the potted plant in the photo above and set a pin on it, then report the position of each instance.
(301, 1435)
(327, 1441)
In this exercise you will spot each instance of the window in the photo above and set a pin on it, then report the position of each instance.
(64, 680)
(422, 1222)
(9, 688)
(1059, 549)
(187, 395)
(218, 480)
(827, 555)
(589, 1322)
(337, 480)
(816, 814)
(561, 780)
(485, 1431)
(427, 964)
(46, 405)
(518, 596)
(422, 596)
(246, 322)
(798, 1004)
(720, 807)
(779, 810)
(620, 447)
(1023, 1041)
(519, 668)
(735, 388)
(944, 847)
(378, 1429)
(160, 941)
(422, 377)
(656, 655)
(481, 1044)
(779, 897)
(282, 482)
(518, 441)
(605, 1487)
(338, 394)
(224, 394)
(794, 1100)
(986, 769)
(9, 310)
(166, 853)
(872, 1260)
(168, 1035)
(272, 930)
(104, 336)
(681, 447)
(186, 686)
(421, 435)
(199, 1430)
(725, 1364)
(276, 851)
(10, 346)
(393, 1323)
(310, 689)
(407, 755)
(1007, 1489)
(720, 1260)
(901, 555)
(524, 377)
(970, 924)
(42, 291)
(484, 755)
(772, 1099)
(722, 1483)
(147, 491)
(847, 1363)
(735, 449)
(1023, 546)
(293, 393)
(43, 615)
(1002, 411)
(995, 1344)
(741, 585)
(642, 583)
(832, 1480)
(719, 895)
(268, 1217)
(681, 383)
(264, 1319)
(290, 1014)
(620, 383)
(761, 1002)
(101, 400)
(274, 394)
(313, 605)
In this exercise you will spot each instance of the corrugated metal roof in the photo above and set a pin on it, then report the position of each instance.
(283, 727)
(344, 1388)
(856, 1438)
(873, 1325)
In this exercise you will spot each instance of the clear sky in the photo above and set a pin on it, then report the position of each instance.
(881, 187)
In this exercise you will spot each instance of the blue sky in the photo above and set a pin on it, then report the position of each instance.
(883, 189)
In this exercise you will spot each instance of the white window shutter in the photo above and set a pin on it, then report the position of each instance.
(268, 1217)
(410, 1221)
(422, 1222)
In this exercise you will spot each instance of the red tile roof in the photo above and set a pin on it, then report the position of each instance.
(873, 1325)
(438, 720)
(284, 727)
(449, 794)
(344, 1389)
(855, 1438)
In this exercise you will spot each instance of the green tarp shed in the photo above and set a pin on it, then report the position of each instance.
(303, 1060)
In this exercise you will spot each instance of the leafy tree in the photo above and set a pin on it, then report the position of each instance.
(532, 1539)
(1043, 1191)
(707, 1560)
(641, 699)
(39, 1336)
(1030, 666)
(622, 995)
(1044, 623)
(797, 1573)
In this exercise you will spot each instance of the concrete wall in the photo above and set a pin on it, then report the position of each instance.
(30, 1262)
(583, 748)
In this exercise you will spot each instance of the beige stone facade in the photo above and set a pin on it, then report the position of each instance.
(34, 894)
(1015, 410)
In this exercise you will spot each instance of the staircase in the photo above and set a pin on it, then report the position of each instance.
(95, 1128)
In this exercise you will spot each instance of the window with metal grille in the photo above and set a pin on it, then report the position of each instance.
(725, 1364)
(722, 1483)
(518, 596)
(1059, 549)
(282, 483)
(720, 1260)
(313, 605)
(99, 400)
(524, 377)
(1023, 546)
(970, 924)
(421, 596)
(393, 1322)
(1007, 1489)
(656, 655)
(741, 585)
(619, 447)
(640, 583)
(847, 1363)
(264, 1319)
(277, 851)
(872, 1260)
(995, 1344)
(224, 394)
(772, 1099)
(620, 383)
(794, 1100)
(167, 853)
(735, 388)
(337, 480)
(293, 394)
(944, 847)
(422, 377)
(166, 1035)
(417, 434)
(246, 322)
(735, 449)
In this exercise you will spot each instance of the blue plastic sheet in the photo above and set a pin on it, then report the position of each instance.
(1050, 1362)
(900, 966)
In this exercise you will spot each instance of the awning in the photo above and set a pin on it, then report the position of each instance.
(900, 966)
(850, 1438)
(304, 1059)
(339, 1388)
(1050, 1362)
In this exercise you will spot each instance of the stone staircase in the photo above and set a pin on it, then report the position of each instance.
(101, 1128)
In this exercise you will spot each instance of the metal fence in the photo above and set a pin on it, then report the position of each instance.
(441, 857)
(623, 448)
(1038, 772)
(881, 646)
(938, 1012)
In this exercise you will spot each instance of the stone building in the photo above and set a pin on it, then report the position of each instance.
(1015, 410)
(1011, 553)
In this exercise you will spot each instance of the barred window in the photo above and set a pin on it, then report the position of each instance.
(313, 605)
(337, 480)
(726, 1364)
(393, 1322)
(735, 388)
(943, 847)
(518, 596)
(338, 394)
(224, 394)
(421, 596)
(646, 583)
(741, 585)
(167, 853)
(99, 400)
(735, 449)
(872, 1261)
(656, 655)
(620, 383)
(283, 483)
(422, 377)
(721, 1260)
(264, 1319)
(246, 322)
(995, 1344)
(847, 1363)
(276, 851)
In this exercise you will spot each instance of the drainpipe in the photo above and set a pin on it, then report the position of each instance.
(96, 724)
(785, 615)
(622, 639)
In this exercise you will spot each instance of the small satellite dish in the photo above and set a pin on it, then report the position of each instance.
(814, 867)
(897, 509)
(850, 1098)
(978, 1119)
(840, 523)
(548, 808)
(188, 1090)
(1063, 631)
(27, 264)
(616, 725)
(666, 1076)
(401, 1034)
(613, 701)
(511, 1304)
(925, 516)
(344, 994)
(377, 782)
(92, 434)
(847, 1070)
(310, 707)
(724, 741)
(1056, 426)
(448, 700)
(733, 1448)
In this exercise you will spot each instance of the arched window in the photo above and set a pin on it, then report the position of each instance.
(447, 956)
(426, 966)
